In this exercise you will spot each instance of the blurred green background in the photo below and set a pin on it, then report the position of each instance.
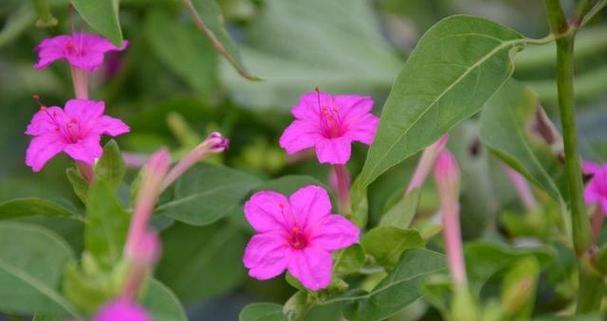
(172, 88)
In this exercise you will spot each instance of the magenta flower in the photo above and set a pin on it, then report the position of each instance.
(330, 124)
(596, 189)
(295, 234)
(81, 50)
(76, 131)
(122, 310)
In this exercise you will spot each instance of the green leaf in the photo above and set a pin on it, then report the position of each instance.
(208, 18)
(111, 167)
(506, 124)
(455, 68)
(288, 184)
(107, 224)
(32, 206)
(79, 184)
(190, 57)
(349, 260)
(387, 243)
(296, 306)
(399, 289)
(102, 16)
(31, 264)
(484, 259)
(210, 256)
(401, 214)
(162, 303)
(44, 317)
(341, 50)
(206, 193)
(262, 312)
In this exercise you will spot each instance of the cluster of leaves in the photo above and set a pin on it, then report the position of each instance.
(461, 67)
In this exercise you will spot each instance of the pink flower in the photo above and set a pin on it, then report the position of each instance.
(296, 234)
(81, 50)
(75, 130)
(596, 189)
(122, 310)
(330, 124)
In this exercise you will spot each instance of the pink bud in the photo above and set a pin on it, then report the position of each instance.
(145, 251)
(447, 176)
(446, 172)
(215, 143)
(122, 310)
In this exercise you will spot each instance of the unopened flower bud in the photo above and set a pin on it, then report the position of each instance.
(146, 250)
(427, 160)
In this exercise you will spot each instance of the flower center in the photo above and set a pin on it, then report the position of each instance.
(72, 49)
(297, 239)
(330, 122)
(70, 131)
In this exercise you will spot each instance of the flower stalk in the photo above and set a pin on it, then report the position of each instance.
(447, 176)
(342, 187)
(426, 162)
(589, 294)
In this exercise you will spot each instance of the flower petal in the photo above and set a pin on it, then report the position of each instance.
(266, 256)
(308, 106)
(334, 150)
(268, 211)
(353, 106)
(299, 136)
(41, 149)
(86, 150)
(310, 205)
(112, 126)
(84, 110)
(50, 50)
(363, 128)
(335, 232)
(589, 167)
(312, 267)
(46, 121)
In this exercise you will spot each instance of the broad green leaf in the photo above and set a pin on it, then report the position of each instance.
(107, 224)
(31, 264)
(401, 214)
(387, 243)
(296, 307)
(102, 16)
(206, 193)
(162, 304)
(484, 259)
(180, 47)
(350, 260)
(262, 312)
(111, 167)
(341, 50)
(200, 262)
(44, 317)
(32, 206)
(506, 128)
(79, 184)
(399, 289)
(209, 19)
(288, 184)
(455, 68)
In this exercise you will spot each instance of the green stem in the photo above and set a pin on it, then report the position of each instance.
(590, 290)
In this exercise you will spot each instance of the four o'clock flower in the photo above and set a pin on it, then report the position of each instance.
(295, 233)
(330, 124)
(81, 50)
(596, 189)
(122, 310)
(75, 130)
